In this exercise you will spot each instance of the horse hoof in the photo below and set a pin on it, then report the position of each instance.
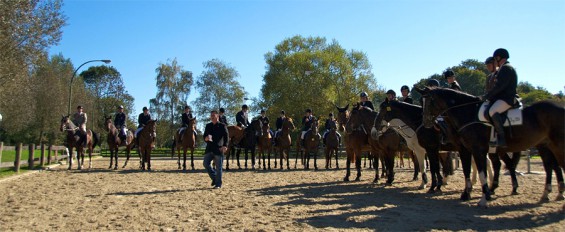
(559, 198)
(513, 193)
(431, 191)
(110, 167)
(388, 184)
(115, 168)
(465, 196)
(544, 200)
(346, 179)
(357, 179)
(376, 181)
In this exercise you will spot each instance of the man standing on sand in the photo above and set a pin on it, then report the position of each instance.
(216, 138)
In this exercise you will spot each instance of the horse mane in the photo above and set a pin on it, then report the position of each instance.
(455, 95)
(409, 108)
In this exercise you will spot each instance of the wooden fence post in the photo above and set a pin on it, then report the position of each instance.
(42, 159)
(30, 159)
(18, 156)
(49, 154)
(1, 148)
(56, 159)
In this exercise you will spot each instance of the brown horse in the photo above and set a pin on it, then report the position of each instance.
(542, 123)
(311, 144)
(265, 146)
(115, 141)
(146, 140)
(332, 146)
(284, 142)
(236, 135)
(73, 141)
(188, 142)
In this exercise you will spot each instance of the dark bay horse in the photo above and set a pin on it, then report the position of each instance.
(188, 142)
(249, 142)
(542, 123)
(407, 118)
(332, 147)
(264, 146)
(146, 140)
(367, 119)
(73, 141)
(284, 142)
(115, 141)
(312, 140)
(236, 135)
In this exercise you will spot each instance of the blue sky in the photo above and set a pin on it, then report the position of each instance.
(404, 40)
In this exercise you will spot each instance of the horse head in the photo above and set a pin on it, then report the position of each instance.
(360, 118)
(65, 123)
(108, 124)
(257, 126)
(151, 126)
(288, 124)
(314, 126)
(342, 116)
(192, 123)
(439, 101)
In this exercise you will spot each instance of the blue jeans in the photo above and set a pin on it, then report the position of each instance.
(216, 172)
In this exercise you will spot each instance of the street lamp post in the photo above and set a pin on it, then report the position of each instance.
(73, 77)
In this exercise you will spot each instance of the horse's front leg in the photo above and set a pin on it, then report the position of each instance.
(358, 167)
(465, 157)
(192, 158)
(347, 168)
(70, 158)
(184, 158)
(481, 161)
(111, 158)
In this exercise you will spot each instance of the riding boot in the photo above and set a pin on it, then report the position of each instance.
(443, 128)
(498, 123)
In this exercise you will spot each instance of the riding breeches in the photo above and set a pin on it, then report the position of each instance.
(499, 106)
(303, 133)
(137, 131)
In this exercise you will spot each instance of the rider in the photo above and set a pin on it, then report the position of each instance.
(503, 93)
(142, 119)
(449, 75)
(223, 118)
(279, 125)
(331, 123)
(489, 62)
(405, 90)
(391, 95)
(265, 121)
(365, 102)
(186, 117)
(241, 117)
(80, 119)
(306, 124)
(120, 123)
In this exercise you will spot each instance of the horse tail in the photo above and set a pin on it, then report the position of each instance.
(96, 139)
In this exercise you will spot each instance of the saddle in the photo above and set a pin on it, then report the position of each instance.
(512, 117)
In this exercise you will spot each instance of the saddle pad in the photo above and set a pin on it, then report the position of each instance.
(514, 116)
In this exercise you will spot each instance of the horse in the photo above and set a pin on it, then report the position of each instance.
(146, 140)
(265, 146)
(311, 144)
(249, 141)
(284, 142)
(542, 125)
(332, 146)
(115, 141)
(73, 141)
(236, 135)
(188, 142)
(407, 120)
(366, 118)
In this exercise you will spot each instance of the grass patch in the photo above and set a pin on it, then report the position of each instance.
(10, 156)
(6, 172)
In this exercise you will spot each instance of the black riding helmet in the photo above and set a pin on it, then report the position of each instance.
(405, 87)
(502, 53)
(331, 114)
(390, 91)
(187, 107)
(364, 94)
(222, 110)
(262, 111)
(489, 60)
(448, 73)
(282, 112)
(308, 110)
(244, 107)
(432, 82)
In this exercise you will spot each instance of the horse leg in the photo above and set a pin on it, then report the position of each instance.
(269, 157)
(347, 168)
(336, 158)
(90, 158)
(111, 158)
(128, 154)
(148, 158)
(192, 158)
(358, 167)
(327, 153)
(390, 169)
(548, 168)
(433, 156)
(184, 150)
(376, 164)
(481, 161)
(178, 156)
(70, 157)
(561, 184)
(316, 159)
(287, 159)
(465, 157)
(495, 159)
(238, 152)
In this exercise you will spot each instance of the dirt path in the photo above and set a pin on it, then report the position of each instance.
(295, 200)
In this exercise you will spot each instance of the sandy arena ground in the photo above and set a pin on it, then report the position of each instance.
(295, 200)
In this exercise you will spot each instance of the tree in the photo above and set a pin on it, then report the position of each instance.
(107, 86)
(173, 89)
(531, 94)
(310, 73)
(218, 87)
